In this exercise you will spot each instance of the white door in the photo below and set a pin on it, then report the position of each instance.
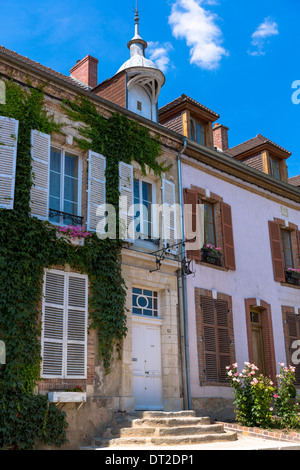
(146, 366)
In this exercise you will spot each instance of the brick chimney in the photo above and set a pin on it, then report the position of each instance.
(86, 71)
(220, 133)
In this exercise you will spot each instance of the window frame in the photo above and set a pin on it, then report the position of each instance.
(63, 153)
(150, 289)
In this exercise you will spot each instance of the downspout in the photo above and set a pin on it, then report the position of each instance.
(182, 292)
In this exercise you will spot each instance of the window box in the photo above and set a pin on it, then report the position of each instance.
(67, 397)
(74, 241)
(74, 234)
(211, 255)
(292, 277)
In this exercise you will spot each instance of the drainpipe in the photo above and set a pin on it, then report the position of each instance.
(182, 291)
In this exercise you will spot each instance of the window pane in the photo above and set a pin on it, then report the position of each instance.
(71, 165)
(209, 230)
(200, 133)
(71, 189)
(70, 208)
(144, 302)
(55, 184)
(55, 160)
(287, 249)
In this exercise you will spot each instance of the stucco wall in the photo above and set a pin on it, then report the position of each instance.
(253, 277)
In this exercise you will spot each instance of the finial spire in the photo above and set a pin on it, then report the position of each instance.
(137, 20)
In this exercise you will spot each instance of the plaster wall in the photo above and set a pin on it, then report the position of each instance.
(253, 277)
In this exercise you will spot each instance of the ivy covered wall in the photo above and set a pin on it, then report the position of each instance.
(28, 246)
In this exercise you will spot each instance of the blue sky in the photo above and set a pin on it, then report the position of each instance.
(239, 58)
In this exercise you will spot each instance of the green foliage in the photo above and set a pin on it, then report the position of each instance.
(26, 420)
(259, 402)
(286, 406)
(28, 246)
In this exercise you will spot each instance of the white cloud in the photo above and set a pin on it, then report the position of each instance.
(264, 31)
(189, 20)
(159, 54)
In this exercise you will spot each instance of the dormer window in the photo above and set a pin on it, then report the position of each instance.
(197, 131)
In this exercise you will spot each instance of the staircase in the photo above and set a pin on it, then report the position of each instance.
(156, 428)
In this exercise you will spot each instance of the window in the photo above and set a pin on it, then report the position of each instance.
(64, 325)
(139, 106)
(144, 302)
(143, 203)
(286, 244)
(64, 199)
(209, 223)
(274, 168)
(197, 132)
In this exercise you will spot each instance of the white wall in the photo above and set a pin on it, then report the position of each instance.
(253, 277)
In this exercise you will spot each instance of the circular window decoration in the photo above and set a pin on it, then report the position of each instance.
(142, 301)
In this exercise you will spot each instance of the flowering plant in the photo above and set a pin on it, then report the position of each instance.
(253, 395)
(258, 400)
(286, 407)
(294, 270)
(74, 231)
(213, 249)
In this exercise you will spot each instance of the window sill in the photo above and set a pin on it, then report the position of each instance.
(67, 397)
(286, 284)
(213, 266)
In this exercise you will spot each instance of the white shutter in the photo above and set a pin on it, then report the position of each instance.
(77, 327)
(169, 215)
(96, 191)
(126, 200)
(8, 160)
(53, 325)
(64, 331)
(40, 153)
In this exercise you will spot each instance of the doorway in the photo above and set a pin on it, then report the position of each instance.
(257, 333)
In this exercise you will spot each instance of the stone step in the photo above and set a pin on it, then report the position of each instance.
(163, 414)
(163, 440)
(163, 431)
(169, 422)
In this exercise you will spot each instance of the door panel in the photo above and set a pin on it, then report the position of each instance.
(146, 367)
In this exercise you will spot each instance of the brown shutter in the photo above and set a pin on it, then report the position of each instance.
(216, 338)
(276, 250)
(228, 241)
(293, 331)
(223, 338)
(190, 215)
(210, 343)
(298, 246)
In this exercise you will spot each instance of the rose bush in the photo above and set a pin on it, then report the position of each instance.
(259, 402)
